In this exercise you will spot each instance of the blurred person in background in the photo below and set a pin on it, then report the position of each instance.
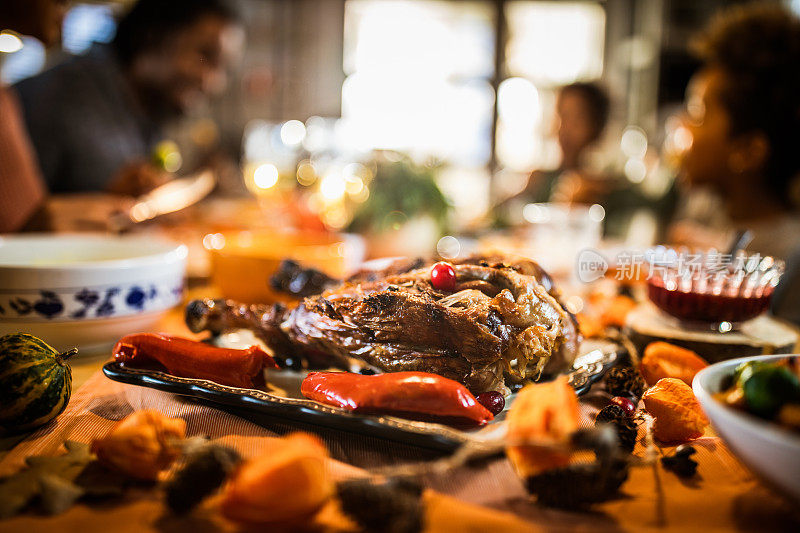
(582, 111)
(743, 114)
(581, 115)
(22, 190)
(96, 119)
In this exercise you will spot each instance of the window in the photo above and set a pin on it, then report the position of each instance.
(549, 44)
(554, 43)
(419, 76)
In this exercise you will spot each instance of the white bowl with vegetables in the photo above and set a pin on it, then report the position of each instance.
(87, 290)
(753, 404)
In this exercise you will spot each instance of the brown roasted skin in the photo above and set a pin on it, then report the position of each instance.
(497, 322)
(500, 326)
(296, 280)
(220, 316)
(562, 358)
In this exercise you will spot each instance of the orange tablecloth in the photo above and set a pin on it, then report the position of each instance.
(724, 496)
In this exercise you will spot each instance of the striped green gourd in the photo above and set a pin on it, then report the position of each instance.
(35, 382)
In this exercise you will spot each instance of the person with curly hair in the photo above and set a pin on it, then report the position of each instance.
(743, 113)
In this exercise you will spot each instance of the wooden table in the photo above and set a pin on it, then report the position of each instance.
(724, 496)
(85, 365)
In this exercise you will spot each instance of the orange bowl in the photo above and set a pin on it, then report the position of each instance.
(243, 262)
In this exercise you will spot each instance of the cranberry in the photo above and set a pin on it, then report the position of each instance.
(627, 405)
(492, 400)
(443, 277)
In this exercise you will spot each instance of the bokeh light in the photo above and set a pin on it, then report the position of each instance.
(265, 176)
(332, 186)
(335, 217)
(361, 196)
(597, 213)
(682, 139)
(574, 304)
(214, 241)
(306, 173)
(635, 170)
(10, 42)
(448, 247)
(536, 213)
(293, 132)
(634, 142)
(395, 220)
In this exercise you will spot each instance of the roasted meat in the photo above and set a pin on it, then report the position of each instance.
(500, 326)
(298, 281)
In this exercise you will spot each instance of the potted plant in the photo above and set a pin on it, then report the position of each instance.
(406, 212)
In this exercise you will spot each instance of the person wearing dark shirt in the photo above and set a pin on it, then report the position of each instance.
(95, 119)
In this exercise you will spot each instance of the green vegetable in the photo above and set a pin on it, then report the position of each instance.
(35, 382)
(768, 388)
(744, 370)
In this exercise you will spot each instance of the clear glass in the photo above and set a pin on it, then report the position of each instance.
(709, 289)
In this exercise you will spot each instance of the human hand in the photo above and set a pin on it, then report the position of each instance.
(138, 178)
(83, 212)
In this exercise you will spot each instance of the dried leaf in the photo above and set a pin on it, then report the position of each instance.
(57, 481)
(57, 494)
(97, 481)
(17, 491)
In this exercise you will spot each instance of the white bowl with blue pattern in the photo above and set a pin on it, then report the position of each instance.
(87, 290)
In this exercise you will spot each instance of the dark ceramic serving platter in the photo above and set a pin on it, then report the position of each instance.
(284, 400)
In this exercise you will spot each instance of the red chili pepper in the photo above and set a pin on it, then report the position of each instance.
(192, 359)
(404, 393)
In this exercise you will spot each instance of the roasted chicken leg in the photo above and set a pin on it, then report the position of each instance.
(500, 326)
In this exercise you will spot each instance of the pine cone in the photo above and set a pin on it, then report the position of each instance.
(625, 427)
(393, 506)
(203, 472)
(625, 381)
(579, 485)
